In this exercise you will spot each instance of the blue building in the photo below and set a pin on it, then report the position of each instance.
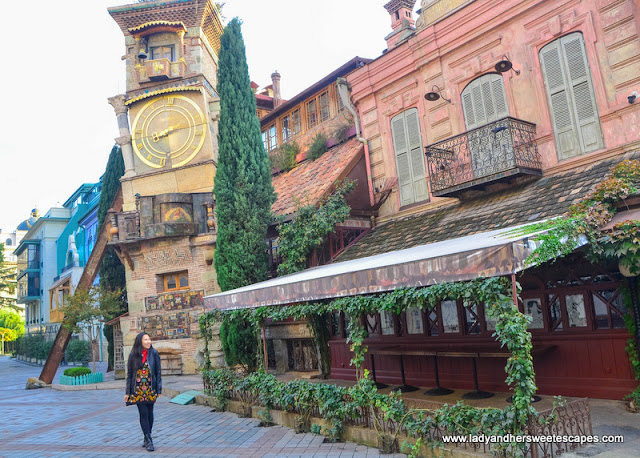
(73, 248)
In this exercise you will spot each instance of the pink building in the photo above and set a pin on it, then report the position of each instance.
(521, 107)
(480, 117)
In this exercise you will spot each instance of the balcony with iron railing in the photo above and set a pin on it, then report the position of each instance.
(498, 151)
(160, 69)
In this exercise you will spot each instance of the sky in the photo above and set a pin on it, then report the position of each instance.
(64, 61)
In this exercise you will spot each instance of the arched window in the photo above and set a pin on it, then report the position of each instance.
(484, 101)
(70, 259)
(572, 102)
(410, 160)
(8, 242)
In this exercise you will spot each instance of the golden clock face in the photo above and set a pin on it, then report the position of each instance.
(172, 127)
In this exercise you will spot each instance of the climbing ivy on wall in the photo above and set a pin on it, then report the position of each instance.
(309, 228)
(583, 223)
(495, 293)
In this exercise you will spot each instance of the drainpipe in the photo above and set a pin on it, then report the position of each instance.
(343, 90)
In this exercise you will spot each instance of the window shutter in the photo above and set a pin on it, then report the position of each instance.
(499, 97)
(567, 142)
(478, 105)
(585, 108)
(484, 100)
(400, 146)
(467, 107)
(416, 155)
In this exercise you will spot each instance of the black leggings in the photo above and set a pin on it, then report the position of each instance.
(146, 417)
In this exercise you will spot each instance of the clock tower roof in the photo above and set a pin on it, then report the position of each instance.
(190, 13)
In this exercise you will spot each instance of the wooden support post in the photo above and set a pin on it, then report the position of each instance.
(264, 350)
(86, 280)
(55, 355)
(514, 290)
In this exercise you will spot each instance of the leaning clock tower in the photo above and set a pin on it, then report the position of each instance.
(165, 233)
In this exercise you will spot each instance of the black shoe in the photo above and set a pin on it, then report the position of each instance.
(144, 444)
(149, 442)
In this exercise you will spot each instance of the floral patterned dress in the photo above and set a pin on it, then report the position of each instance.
(143, 393)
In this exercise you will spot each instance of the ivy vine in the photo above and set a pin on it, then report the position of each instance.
(584, 220)
(511, 332)
(583, 223)
(309, 228)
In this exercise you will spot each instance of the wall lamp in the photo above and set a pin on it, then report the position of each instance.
(505, 65)
(435, 94)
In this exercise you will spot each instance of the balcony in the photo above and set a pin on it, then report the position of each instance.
(496, 152)
(160, 70)
(28, 286)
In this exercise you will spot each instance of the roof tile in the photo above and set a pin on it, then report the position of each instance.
(485, 212)
(311, 180)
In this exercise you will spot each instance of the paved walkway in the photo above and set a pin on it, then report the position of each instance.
(96, 423)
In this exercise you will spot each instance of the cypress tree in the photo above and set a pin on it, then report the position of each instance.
(112, 274)
(243, 188)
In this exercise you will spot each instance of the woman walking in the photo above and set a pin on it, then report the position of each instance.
(144, 383)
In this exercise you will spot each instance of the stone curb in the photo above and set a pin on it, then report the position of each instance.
(111, 385)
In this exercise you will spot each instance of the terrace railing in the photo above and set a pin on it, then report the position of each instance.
(501, 149)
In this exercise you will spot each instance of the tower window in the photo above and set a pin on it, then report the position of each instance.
(162, 52)
(176, 281)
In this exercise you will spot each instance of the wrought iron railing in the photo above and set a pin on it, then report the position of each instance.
(501, 146)
(572, 419)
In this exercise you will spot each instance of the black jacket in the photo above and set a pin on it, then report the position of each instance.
(153, 358)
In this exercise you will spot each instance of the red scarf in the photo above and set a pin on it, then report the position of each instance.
(144, 356)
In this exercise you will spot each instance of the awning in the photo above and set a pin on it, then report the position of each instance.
(488, 254)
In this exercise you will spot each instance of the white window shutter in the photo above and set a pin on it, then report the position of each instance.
(416, 155)
(401, 149)
(567, 142)
(410, 160)
(499, 96)
(478, 105)
(584, 101)
(484, 100)
(467, 107)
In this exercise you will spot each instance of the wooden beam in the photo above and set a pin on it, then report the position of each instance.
(86, 280)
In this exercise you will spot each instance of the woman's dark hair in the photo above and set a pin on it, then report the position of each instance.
(135, 357)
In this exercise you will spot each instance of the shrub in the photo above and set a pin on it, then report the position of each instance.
(77, 371)
(239, 343)
(78, 350)
(219, 383)
(340, 133)
(284, 158)
(43, 349)
(318, 146)
(31, 346)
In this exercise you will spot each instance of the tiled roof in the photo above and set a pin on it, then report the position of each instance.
(542, 199)
(311, 180)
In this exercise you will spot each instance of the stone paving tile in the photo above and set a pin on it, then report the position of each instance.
(97, 424)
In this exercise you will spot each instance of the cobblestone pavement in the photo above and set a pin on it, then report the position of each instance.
(96, 423)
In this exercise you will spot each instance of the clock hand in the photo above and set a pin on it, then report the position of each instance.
(157, 136)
